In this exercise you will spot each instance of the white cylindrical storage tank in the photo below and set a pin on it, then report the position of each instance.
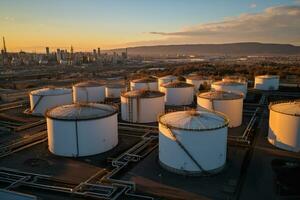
(142, 106)
(82, 129)
(148, 83)
(240, 79)
(228, 103)
(266, 82)
(46, 98)
(230, 86)
(89, 91)
(114, 91)
(284, 125)
(166, 79)
(178, 93)
(197, 81)
(193, 142)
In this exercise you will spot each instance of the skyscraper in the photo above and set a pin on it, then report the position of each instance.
(47, 51)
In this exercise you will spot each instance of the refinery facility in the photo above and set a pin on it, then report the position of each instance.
(146, 137)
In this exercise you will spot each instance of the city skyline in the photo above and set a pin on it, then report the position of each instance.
(32, 25)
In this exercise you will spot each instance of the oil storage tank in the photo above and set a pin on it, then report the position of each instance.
(114, 91)
(82, 129)
(193, 142)
(89, 91)
(266, 82)
(178, 93)
(284, 125)
(166, 79)
(147, 83)
(142, 106)
(228, 103)
(198, 80)
(230, 86)
(45, 98)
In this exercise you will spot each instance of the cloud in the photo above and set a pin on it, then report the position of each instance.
(253, 5)
(275, 24)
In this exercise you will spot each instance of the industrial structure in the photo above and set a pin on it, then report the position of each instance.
(165, 79)
(89, 91)
(284, 125)
(198, 80)
(82, 129)
(228, 103)
(178, 93)
(148, 83)
(230, 86)
(142, 106)
(193, 142)
(114, 90)
(46, 98)
(266, 82)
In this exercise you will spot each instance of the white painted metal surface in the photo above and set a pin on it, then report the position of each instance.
(202, 134)
(82, 129)
(142, 106)
(197, 81)
(46, 98)
(284, 125)
(178, 93)
(90, 91)
(228, 103)
(266, 82)
(144, 84)
(166, 79)
(230, 86)
(114, 91)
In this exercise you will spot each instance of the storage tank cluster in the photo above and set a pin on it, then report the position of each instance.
(228, 103)
(142, 106)
(230, 86)
(114, 91)
(148, 83)
(284, 125)
(165, 79)
(193, 142)
(45, 98)
(266, 82)
(198, 80)
(82, 129)
(178, 93)
(89, 91)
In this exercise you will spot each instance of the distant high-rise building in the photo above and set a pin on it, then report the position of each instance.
(4, 46)
(47, 51)
(99, 51)
(58, 55)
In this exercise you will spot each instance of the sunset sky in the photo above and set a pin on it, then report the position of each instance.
(32, 25)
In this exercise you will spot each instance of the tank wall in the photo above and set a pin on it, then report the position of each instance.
(227, 88)
(113, 92)
(284, 131)
(266, 84)
(210, 156)
(144, 86)
(179, 96)
(88, 94)
(233, 109)
(163, 81)
(144, 110)
(197, 83)
(94, 136)
(47, 102)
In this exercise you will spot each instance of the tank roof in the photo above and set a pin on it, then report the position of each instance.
(198, 77)
(229, 83)
(142, 94)
(89, 84)
(81, 111)
(177, 84)
(220, 95)
(287, 107)
(144, 80)
(268, 76)
(194, 120)
(115, 86)
(168, 77)
(49, 91)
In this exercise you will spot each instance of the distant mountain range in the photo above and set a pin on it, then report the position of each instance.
(233, 49)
